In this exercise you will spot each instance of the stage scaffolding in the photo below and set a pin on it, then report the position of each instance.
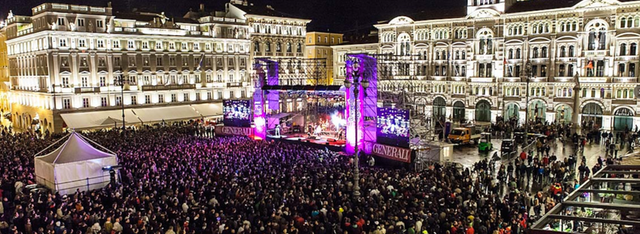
(402, 84)
(293, 87)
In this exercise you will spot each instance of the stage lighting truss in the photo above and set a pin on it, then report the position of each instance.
(296, 71)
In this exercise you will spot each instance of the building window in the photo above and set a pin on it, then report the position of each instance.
(563, 51)
(185, 97)
(104, 101)
(134, 100)
(544, 52)
(99, 23)
(158, 45)
(116, 44)
(131, 45)
(209, 96)
(543, 70)
(85, 82)
(634, 48)
(65, 82)
(535, 53)
(61, 21)
(632, 70)
(147, 99)
(84, 62)
(118, 100)
(623, 49)
(172, 61)
(82, 43)
(63, 42)
(572, 51)
(80, 22)
(145, 45)
(196, 46)
(103, 81)
(561, 70)
(160, 98)
(173, 97)
(85, 102)
(159, 61)
(100, 43)
(66, 103)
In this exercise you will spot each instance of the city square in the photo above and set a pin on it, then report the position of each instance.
(477, 116)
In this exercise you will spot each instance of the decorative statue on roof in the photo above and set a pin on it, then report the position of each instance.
(10, 15)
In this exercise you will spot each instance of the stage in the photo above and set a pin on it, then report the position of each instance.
(318, 141)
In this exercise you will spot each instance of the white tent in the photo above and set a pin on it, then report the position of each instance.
(75, 165)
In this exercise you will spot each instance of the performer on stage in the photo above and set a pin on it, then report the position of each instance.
(278, 130)
(318, 130)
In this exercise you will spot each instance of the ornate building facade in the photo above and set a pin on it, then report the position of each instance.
(65, 61)
(472, 67)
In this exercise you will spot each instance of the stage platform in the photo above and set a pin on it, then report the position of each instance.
(319, 141)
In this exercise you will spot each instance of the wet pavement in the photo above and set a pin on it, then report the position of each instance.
(467, 155)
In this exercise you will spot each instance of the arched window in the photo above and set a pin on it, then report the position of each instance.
(535, 53)
(629, 22)
(593, 92)
(597, 35)
(621, 69)
(510, 53)
(518, 53)
(544, 52)
(634, 49)
(563, 51)
(623, 22)
(623, 49)
(485, 45)
(404, 44)
(572, 51)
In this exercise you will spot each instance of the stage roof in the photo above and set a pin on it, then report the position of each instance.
(303, 87)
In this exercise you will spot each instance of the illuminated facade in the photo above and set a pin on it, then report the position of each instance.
(472, 66)
(64, 60)
(319, 46)
(5, 105)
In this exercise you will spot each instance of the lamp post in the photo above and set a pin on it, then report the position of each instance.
(357, 83)
(528, 71)
(121, 80)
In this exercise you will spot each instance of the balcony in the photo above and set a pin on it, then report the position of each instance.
(482, 79)
(234, 84)
(593, 79)
(86, 90)
(624, 80)
(167, 87)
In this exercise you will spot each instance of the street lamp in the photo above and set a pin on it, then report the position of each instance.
(357, 83)
(121, 80)
(529, 72)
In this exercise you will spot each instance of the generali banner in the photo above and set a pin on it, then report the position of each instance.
(234, 131)
(393, 153)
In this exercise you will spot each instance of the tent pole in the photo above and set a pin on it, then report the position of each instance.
(54, 143)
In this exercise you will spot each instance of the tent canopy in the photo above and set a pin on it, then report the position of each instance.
(75, 165)
(73, 150)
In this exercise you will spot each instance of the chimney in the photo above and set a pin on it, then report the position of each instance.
(201, 6)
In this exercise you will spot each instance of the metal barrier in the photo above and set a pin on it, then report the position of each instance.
(89, 184)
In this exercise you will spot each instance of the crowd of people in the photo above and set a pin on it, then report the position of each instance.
(174, 180)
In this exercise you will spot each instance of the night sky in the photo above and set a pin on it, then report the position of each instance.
(332, 15)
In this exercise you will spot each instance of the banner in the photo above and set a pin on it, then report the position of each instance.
(234, 131)
(393, 153)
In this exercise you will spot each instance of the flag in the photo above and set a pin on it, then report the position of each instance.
(200, 64)
(505, 60)
(590, 65)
